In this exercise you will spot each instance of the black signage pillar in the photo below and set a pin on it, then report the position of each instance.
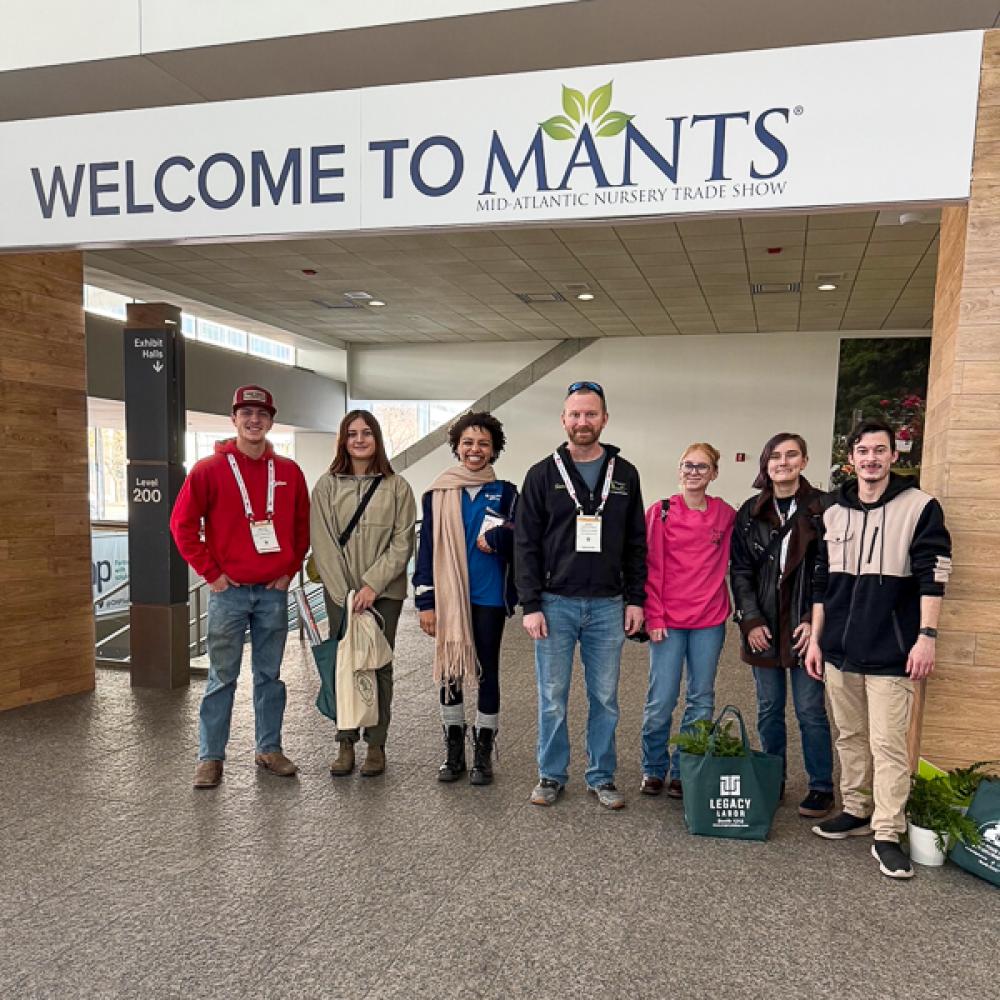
(155, 416)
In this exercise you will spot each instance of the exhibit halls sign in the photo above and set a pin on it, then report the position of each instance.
(876, 122)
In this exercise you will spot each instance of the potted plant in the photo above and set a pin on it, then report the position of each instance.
(934, 822)
(965, 780)
(695, 740)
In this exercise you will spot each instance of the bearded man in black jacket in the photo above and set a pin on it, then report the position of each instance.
(580, 568)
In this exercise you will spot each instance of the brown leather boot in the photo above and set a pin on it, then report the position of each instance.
(208, 774)
(374, 762)
(276, 763)
(343, 763)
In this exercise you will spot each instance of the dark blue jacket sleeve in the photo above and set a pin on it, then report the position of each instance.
(423, 572)
(501, 540)
(529, 531)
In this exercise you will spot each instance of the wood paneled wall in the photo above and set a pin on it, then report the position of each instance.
(962, 451)
(46, 615)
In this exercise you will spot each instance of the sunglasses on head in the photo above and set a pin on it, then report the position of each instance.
(585, 387)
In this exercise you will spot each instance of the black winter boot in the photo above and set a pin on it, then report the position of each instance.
(482, 763)
(454, 742)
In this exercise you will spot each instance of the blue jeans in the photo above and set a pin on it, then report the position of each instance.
(810, 710)
(230, 613)
(598, 624)
(701, 647)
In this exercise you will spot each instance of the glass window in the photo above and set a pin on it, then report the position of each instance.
(108, 483)
(406, 421)
(272, 350)
(105, 303)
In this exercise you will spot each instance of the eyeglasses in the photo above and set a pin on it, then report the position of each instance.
(700, 467)
(585, 387)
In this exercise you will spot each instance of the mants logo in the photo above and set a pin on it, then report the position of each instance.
(729, 784)
(591, 113)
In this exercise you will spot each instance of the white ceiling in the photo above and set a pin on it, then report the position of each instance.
(649, 279)
(544, 37)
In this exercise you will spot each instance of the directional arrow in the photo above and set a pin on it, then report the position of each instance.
(158, 366)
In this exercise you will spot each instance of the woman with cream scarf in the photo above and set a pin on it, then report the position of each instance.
(464, 587)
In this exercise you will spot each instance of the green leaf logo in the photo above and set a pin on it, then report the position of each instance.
(573, 103)
(612, 123)
(592, 110)
(559, 127)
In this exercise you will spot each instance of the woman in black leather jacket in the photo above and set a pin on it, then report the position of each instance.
(773, 554)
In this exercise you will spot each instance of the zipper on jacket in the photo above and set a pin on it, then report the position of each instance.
(871, 548)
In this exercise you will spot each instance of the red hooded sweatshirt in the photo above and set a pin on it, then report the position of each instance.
(210, 492)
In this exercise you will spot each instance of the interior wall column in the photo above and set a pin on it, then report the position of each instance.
(961, 467)
(47, 622)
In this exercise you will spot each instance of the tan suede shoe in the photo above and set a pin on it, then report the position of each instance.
(276, 763)
(208, 774)
(374, 762)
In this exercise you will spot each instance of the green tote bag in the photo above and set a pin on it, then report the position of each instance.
(731, 796)
(983, 859)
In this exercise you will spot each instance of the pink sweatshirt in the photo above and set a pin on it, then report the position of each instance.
(687, 563)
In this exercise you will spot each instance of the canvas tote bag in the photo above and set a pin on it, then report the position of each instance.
(363, 649)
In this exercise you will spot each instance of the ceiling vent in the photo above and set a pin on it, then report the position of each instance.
(830, 278)
(576, 287)
(340, 304)
(776, 288)
(534, 298)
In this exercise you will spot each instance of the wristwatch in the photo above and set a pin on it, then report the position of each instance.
(931, 633)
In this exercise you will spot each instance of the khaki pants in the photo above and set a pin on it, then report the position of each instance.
(872, 715)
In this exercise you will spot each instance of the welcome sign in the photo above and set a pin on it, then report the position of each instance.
(875, 122)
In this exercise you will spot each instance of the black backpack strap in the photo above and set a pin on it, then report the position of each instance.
(353, 523)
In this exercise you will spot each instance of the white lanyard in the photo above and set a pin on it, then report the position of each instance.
(247, 506)
(560, 465)
(783, 518)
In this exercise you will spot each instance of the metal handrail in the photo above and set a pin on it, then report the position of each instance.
(194, 591)
(116, 589)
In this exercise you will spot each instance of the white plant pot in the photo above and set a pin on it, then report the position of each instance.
(903, 445)
(923, 847)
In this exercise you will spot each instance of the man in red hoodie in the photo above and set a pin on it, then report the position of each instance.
(255, 508)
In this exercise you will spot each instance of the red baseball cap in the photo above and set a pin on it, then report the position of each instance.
(253, 395)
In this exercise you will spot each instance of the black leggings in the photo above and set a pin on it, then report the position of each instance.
(487, 634)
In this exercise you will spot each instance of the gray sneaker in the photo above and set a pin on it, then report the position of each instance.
(546, 792)
(608, 796)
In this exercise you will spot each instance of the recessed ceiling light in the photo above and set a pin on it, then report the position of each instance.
(827, 286)
(586, 296)
(376, 302)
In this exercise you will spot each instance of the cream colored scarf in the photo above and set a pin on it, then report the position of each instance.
(454, 650)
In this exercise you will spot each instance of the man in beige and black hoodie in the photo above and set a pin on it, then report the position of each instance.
(880, 575)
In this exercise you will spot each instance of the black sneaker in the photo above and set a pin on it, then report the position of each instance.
(816, 804)
(842, 826)
(891, 859)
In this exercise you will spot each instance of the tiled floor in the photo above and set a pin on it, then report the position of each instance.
(119, 880)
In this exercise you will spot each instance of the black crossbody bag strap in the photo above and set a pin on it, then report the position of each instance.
(775, 543)
(353, 523)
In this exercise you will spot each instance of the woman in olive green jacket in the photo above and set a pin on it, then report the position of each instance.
(372, 562)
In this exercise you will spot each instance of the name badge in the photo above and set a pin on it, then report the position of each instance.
(588, 533)
(490, 521)
(264, 538)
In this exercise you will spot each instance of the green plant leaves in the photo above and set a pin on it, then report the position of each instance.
(612, 123)
(558, 127)
(573, 103)
(581, 111)
(599, 101)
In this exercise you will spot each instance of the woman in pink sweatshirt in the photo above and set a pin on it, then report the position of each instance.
(687, 604)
